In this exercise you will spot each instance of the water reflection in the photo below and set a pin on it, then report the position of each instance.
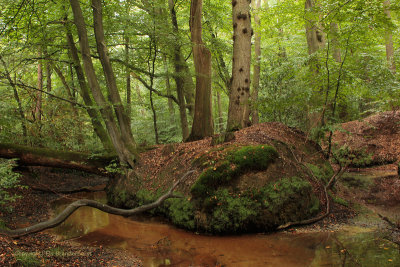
(163, 245)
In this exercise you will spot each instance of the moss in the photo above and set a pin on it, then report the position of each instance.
(339, 200)
(26, 259)
(323, 171)
(181, 213)
(253, 157)
(238, 161)
(289, 199)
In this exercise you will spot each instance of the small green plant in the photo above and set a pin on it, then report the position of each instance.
(26, 259)
(322, 172)
(339, 200)
(8, 180)
(114, 167)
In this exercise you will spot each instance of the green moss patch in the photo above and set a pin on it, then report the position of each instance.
(289, 199)
(236, 162)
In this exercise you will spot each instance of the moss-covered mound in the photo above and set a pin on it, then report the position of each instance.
(254, 183)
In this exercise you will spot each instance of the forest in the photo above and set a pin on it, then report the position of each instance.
(217, 117)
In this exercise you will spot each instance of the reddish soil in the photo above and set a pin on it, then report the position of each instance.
(378, 135)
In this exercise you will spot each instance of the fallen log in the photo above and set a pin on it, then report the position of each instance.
(33, 156)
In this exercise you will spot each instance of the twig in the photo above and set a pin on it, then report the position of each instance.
(61, 217)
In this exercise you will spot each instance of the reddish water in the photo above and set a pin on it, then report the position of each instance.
(159, 244)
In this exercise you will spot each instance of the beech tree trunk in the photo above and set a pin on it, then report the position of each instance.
(38, 104)
(240, 89)
(128, 84)
(179, 70)
(256, 68)
(203, 124)
(122, 117)
(94, 115)
(389, 40)
(315, 36)
(126, 157)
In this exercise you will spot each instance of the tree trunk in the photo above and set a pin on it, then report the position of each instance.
(240, 89)
(94, 115)
(128, 84)
(32, 156)
(256, 68)
(168, 85)
(38, 105)
(122, 117)
(126, 157)
(389, 40)
(337, 55)
(203, 124)
(315, 36)
(67, 88)
(179, 70)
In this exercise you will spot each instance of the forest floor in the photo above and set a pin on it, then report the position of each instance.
(46, 185)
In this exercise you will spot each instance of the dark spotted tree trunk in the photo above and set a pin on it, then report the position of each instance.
(240, 88)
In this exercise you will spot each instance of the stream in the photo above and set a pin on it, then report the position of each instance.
(160, 244)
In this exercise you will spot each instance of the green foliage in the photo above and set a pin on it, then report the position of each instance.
(239, 160)
(323, 172)
(338, 200)
(8, 180)
(26, 259)
(358, 159)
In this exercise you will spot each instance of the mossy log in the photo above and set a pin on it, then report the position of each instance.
(33, 156)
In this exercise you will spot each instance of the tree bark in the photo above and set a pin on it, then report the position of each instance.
(168, 85)
(122, 117)
(128, 83)
(257, 67)
(94, 115)
(126, 157)
(31, 156)
(38, 105)
(314, 35)
(389, 40)
(203, 124)
(240, 89)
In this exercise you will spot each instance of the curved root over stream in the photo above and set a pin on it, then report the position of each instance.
(94, 204)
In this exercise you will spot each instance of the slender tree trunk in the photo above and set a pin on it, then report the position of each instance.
(16, 97)
(256, 68)
(337, 54)
(220, 119)
(315, 37)
(122, 117)
(128, 84)
(67, 88)
(240, 89)
(38, 105)
(168, 85)
(389, 40)
(125, 156)
(203, 124)
(48, 73)
(179, 70)
(94, 115)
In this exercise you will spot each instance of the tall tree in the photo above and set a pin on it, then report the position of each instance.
(256, 68)
(125, 155)
(240, 88)
(314, 34)
(203, 124)
(389, 40)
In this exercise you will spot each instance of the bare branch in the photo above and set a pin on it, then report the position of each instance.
(61, 217)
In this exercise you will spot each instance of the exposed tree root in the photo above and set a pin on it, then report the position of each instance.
(51, 223)
(328, 203)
